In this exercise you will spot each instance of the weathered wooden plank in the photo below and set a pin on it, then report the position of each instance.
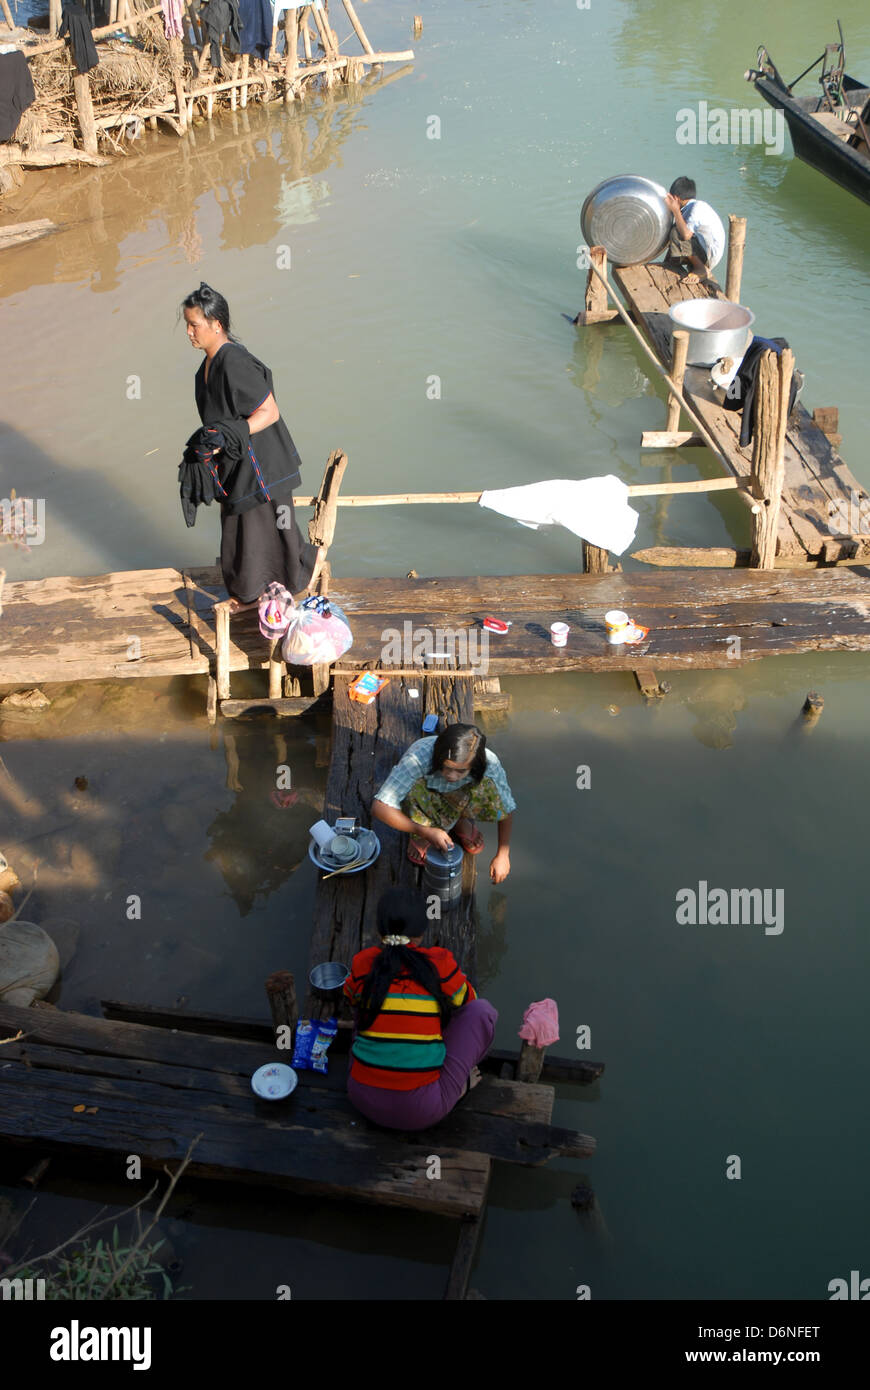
(53, 633)
(259, 1148)
(463, 1259)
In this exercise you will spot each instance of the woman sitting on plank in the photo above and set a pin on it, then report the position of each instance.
(420, 1029)
(442, 783)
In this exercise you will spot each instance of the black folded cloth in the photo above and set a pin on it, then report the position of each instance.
(205, 477)
(16, 92)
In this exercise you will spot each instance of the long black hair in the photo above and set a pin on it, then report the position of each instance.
(400, 913)
(213, 306)
(458, 742)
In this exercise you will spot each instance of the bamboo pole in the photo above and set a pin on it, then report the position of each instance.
(7, 13)
(396, 499)
(358, 29)
(291, 55)
(678, 372)
(54, 17)
(736, 248)
(246, 62)
(768, 452)
(595, 308)
(306, 34)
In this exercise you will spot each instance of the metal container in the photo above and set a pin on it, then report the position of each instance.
(328, 977)
(629, 217)
(717, 328)
(442, 873)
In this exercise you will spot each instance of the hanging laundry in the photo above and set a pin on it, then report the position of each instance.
(257, 19)
(16, 92)
(594, 508)
(221, 18)
(743, 391)
(173, 19)
(77, 26)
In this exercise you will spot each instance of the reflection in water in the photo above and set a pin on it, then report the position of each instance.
(258, 167)
(263, 838)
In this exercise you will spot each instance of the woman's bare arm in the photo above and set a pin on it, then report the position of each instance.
(265, 415)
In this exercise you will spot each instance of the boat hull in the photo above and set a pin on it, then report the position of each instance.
(815, 145)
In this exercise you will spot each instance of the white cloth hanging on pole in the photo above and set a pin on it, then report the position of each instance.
(596, 509)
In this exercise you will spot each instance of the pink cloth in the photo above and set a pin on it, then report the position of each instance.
(541, 1023)
(173, 19)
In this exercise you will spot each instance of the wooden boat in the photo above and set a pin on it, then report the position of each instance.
(831, 129)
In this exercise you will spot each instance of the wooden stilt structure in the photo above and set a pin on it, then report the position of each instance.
(197, 90)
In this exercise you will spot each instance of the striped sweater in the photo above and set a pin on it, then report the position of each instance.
(404, 1048)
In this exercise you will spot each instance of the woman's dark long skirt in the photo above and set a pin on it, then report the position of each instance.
(256, 549)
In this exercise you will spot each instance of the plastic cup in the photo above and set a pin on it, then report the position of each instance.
(618, 625)
(559, 634)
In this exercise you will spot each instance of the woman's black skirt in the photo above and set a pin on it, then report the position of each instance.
(262, 545)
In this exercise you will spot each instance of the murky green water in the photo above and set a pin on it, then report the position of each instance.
(410, 258)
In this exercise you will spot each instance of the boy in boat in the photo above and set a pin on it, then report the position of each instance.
(697, 236)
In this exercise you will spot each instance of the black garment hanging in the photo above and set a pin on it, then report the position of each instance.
(222, 17)
(76, 24)
(16, 92)
(742, 393)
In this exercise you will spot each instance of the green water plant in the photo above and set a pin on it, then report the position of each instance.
(102, 1269)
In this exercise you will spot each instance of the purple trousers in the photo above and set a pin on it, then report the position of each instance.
(467, 1037)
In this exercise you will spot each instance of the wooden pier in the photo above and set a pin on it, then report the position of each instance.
(158, 623)
(791, 476)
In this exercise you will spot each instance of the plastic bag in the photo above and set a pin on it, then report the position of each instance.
(318, 634)
(275, 610)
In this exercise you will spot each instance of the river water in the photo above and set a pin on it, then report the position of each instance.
(412, 258)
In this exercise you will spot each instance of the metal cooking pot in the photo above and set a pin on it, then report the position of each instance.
(717, 328)
(629, 217)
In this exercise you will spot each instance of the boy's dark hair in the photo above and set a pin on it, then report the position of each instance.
(683, 188)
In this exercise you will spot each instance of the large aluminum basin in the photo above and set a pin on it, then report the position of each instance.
(717, 328)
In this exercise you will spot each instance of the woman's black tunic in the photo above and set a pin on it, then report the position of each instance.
(261, 541)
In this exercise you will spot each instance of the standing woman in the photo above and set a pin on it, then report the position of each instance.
(420, 1029)
(257, 543)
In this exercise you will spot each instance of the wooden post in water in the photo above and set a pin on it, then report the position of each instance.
(222, 649)
(678, 372)
(595, 560)
(85, 109)
(281, 993)
(530, 1063)
(595, 305)
(812, 709)
(246, 63)
(768, 453)
(736, 247)
(291, 56)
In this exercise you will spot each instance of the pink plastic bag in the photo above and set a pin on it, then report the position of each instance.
(318, 634)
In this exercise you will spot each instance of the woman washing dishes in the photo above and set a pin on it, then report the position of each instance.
(257, 544)
(420, 1029)
(441, 784)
